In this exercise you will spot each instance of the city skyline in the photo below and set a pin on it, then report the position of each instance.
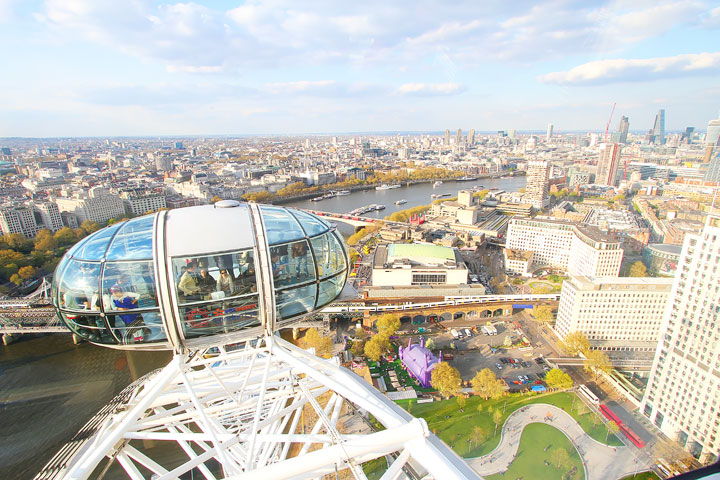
(86, 68)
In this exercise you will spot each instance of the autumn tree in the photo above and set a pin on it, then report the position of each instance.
(446, 379)
(26, 273)
(15, 278)
(44, 241)
(556, 378)
(612, 429)
(66, 236)
(497, 416)
(560, 458)
(376, 347)
(638, 269)
(360, 334)
(89, 226)
(461, 401)
(358, 348)
(430, 344)
(18, 242)
(259, 197)
(478, 435)
(215, 199)
(487, 385)
(575, 343)
(543, 314)
(321, 344)
(596, 362)
(388, 324)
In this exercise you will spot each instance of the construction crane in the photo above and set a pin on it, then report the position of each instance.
(607, 127)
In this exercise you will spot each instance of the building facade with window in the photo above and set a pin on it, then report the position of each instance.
(574, 248)
(400, 264)
(683, 393)
(615, 314)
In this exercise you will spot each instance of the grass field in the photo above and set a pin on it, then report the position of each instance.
(534, 457)
(541, 287)
(456, 428)
(374, 469)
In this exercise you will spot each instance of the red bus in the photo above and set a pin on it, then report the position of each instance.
(610, 415)
(632, 436)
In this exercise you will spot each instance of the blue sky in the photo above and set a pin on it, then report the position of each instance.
(136, 67)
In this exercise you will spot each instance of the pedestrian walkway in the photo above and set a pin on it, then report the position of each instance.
(601, 462)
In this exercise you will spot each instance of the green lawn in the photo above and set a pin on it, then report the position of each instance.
(455, 427)
(374, 469)
(642, 476)
(537, 443)
(541, 287)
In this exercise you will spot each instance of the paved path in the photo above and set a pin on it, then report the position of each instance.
(601, 461)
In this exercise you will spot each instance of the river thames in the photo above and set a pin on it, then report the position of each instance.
(49, 387)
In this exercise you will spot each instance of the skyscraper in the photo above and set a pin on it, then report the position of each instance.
(608, 163)
(713, 133)
(658, 131)
(471, 137)
(623, 129)
(549, 133)
(458, 137)
(713, 171)
(446, 140)
(683, 393)
(538, 186)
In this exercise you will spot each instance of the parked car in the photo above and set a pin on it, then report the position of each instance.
(524, 364)
(499, 366)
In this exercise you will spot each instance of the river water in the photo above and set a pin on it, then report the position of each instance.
(49, 387)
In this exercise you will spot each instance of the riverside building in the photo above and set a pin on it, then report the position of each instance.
(683, 393)
(616, 314)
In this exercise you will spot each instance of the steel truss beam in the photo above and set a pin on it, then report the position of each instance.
(267, 411)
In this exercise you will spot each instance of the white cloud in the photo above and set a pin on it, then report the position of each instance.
(430, 89)
(324, 88)
(629, 70)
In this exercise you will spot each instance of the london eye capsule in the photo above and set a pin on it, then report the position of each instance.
(199, 276)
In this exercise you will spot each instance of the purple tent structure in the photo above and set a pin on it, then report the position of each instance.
(419, 361)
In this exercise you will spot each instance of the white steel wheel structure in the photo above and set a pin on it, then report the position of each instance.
(236, 401)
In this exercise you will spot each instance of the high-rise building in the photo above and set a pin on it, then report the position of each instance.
(471, 137)
(549, 133)
(50, 215)
(446, 140)
(458, 137)
(713, 133)
(683, 392)
(163, 163)
(658, 132)
(713, 172)
(538, 186)
(18, 218)
(623, 129)
(614, 313)
(608, 164)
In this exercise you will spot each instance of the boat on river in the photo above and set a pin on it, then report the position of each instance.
(401, 202)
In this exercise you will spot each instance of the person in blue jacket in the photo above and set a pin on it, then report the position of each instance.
(135, 326)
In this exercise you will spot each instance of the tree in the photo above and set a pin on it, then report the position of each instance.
(596, 362)
(321, 344)
(44, 241)
(66, 236)
(556, 378)
(638, 269)
(26, 273)
(430, 344)
(560, 458)
(446, 379)
(508, 341)
(487, 385)
(89, 226)
(543, 314)
(215, 199)
(259, 197)
(461, 401)
(376, 347)
(360, 334)
(358, 348)
(612, 428)
(388, 324)
(479, 435)
(15, 278)
(18, 242)
(575, 343)
(497, 416)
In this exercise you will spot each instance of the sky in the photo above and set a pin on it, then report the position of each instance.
(141, 67)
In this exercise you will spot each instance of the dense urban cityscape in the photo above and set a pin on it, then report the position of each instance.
(595, 255)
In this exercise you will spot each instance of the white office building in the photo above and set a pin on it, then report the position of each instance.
(97, 209)
(50, 216)
(140, 204)
(538, 186)
(615, 314)
(683, 393)
(574, 248)
(18, 218)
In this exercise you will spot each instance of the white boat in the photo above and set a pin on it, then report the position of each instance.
(343, 192)
(317, 199)
(384, 186)
(396, 185)
(437, 184)
(400, 202)
(379, 207)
